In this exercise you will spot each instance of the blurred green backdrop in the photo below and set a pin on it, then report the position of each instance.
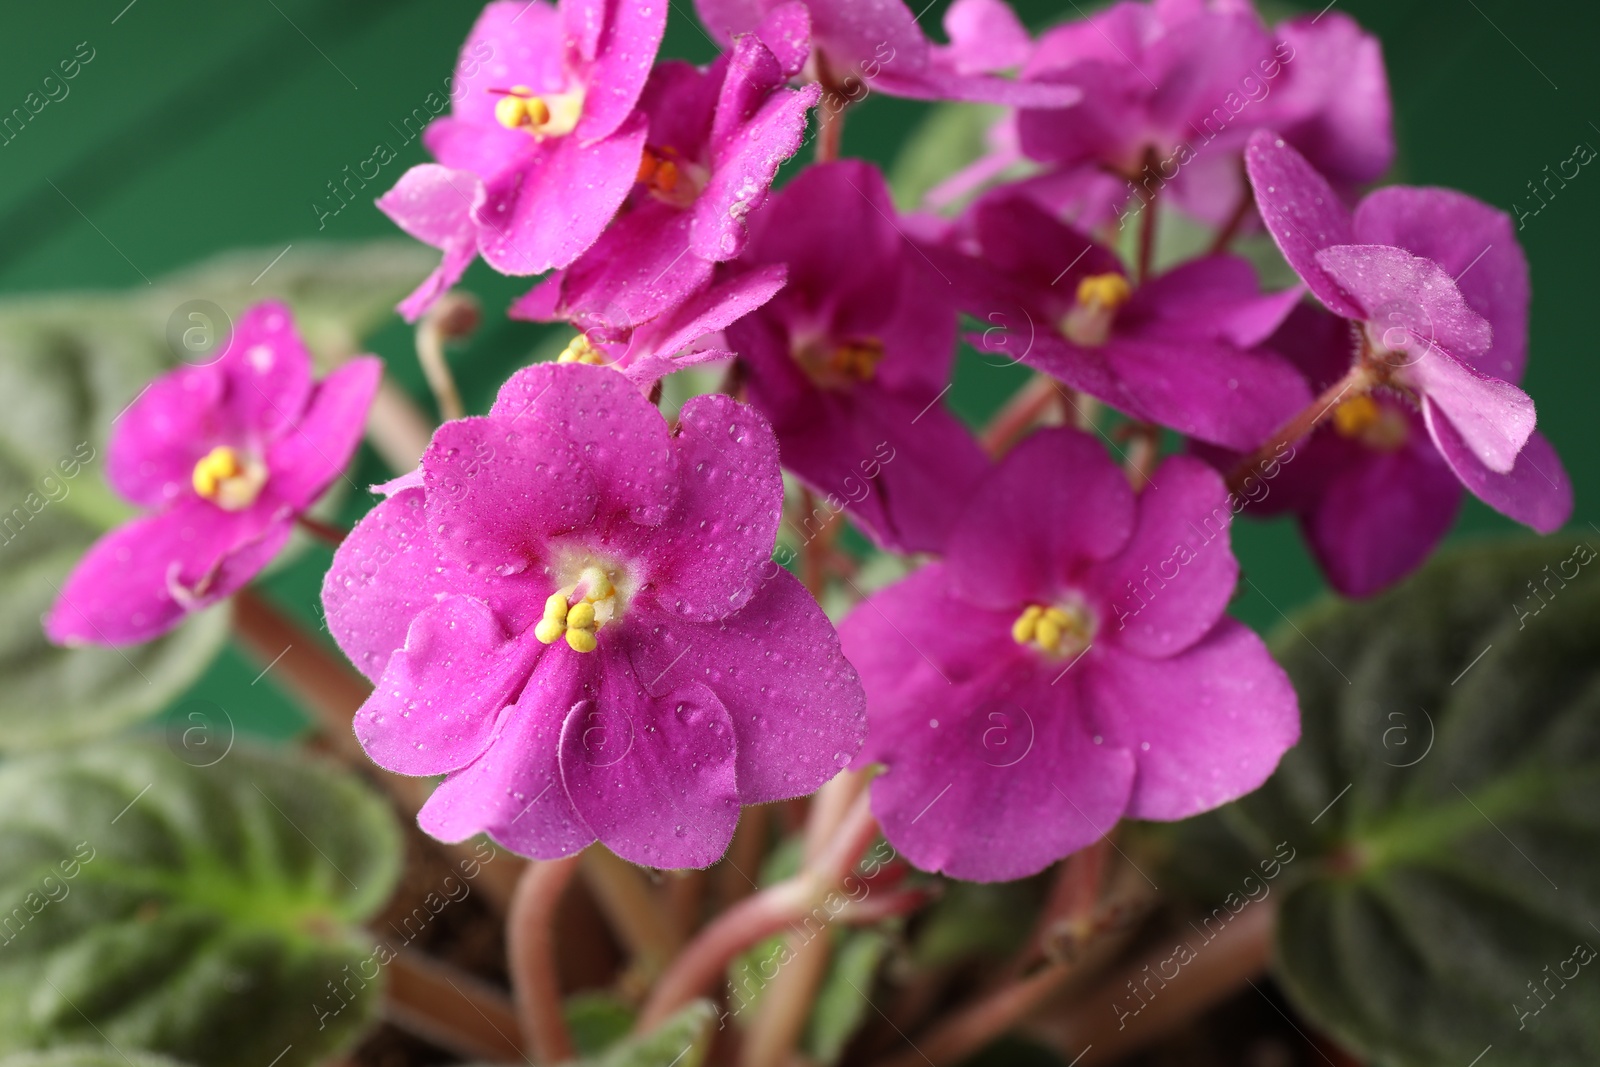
(198, 127)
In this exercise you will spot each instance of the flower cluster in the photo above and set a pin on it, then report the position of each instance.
(571, 611)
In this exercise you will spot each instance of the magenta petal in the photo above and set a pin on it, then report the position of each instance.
(1302, 212)
(1332, 99)
(916, 627)
(750, 139)
(1173, 579)
(622, 437)
(636, 271)
(435, 708)
(667, 344)
(1492, 418)
(436, 205)
(708, 556)
(513, 791)
(1056, 501)
(157, 441)
(123, 589)
(1476, 245)
(1206, 726)
(985, 36)
(622, 58)
(798, 715)
(497, 490)
(786, 30)
(1213, 392)
(993, 782)
(1398, 289)
(513, 42)
(1382, 514)
(316, 450)
(267, 371)
(546, 215)
(387, 571)
(936, 83)
(1535, 491)
(671, 797)
(1213, 296)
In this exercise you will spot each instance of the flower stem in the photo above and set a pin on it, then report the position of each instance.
(326, 532)
(530, 954)
(632, 910)
(1230, 229)
(455, 316)
(451, 1009)
(758, 917)
(1357, 380)
(397, 428)
(1026, 406)
(1147, 225)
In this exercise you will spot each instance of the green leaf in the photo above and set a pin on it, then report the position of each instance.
(206, 913)
(842, 1003)
(597, 1020)
(69, 365)
(681, 1041)
(1444, 805)
(87, 1056)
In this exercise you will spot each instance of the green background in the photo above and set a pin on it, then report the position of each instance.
(199, 127)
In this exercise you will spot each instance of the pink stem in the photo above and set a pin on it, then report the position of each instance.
(530, 953)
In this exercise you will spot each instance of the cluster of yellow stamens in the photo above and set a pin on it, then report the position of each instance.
(1055, 630)
(579, 621)
(550, 115)
(858, 359)
(579, 350)
(228, 479)
(1376, 425)
(1098, 298)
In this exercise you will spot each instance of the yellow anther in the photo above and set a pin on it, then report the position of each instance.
(579, 350)
(521, 109)
(1108, 291)
(1376, 425)
(581, 640)
(1027, 623)
(1055, 630)
(595, 584)
(858, 360)
(1355, 415)
(549, 629)
(215, 467)
(228, 479)
(580, 616)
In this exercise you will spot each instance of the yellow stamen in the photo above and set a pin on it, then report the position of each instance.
(543, 115)
(1059, 631)
(579, 350)
(1109, 291)
(579, 621)
(1099, 297)
(227, 479)
(1355, 415)
(1379, 426)
(1023, 629)
(220, 463)
(858, 359)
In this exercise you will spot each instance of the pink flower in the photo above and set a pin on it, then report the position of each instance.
(573, 613)
(1067, 664)
(860, 46)
(1438, 289)
(542, 144)
(717, 137)
(225, 456)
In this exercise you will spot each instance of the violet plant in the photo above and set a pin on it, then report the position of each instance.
(573, 636)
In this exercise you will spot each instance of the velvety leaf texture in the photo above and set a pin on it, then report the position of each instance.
(198, 912)
(1444, 809)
